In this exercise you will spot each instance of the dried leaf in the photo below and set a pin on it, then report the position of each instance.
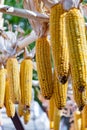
(67, 4)
(40, 28)
(3, 34)
(83, 9)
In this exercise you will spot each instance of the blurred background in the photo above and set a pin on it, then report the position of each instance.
(39, 107)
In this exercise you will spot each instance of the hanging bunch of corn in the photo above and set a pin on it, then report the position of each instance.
(2, 86)
(77, 44)
(26, 69)
(51, 112)
(13, 78)
(10, 107)
(59, 42)
(60, 93)
(44, 69)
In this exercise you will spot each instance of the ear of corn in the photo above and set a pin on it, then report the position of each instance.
(20, 109)
(44, 70)
(13, 78)
(57, 117)
(59, 42)
(51, 112)
(10, 107)
(79, 98)
(77, 120)
(85, 96)
(60, 93)
(26, 116)
(2, 86)
(51, 124)
(26, 82)
(51, 108)
(77, 44)
(84, 117)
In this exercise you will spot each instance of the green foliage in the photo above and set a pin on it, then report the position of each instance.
(84, 1)
(14, 20)
(36, 92)
(35, 75)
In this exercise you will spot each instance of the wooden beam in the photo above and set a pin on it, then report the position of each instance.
(24, 13)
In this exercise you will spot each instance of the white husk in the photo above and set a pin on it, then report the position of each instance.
(27, 40)
(7, 46)
(67, 4)
(2, 45)
(50, 3)
(38, 27)
(83, 9)
(10, 43)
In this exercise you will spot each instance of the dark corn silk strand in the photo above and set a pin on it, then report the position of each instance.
(59, 42)
(44, 69)
(77, 44)
(60, 93)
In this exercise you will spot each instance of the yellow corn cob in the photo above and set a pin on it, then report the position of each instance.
(57, 117)
(51, 108)
(43, 61)
(51, 112)
(20, 109)
(51, 125)
(60, 93)
(85, 96)
(10, 107)
(77, 120)
(83, 120)
(26, 116)
(59, 42)
(77, 44)
(2, 86)
(26, 82)
(13, 78)
(79, 98)
(84, 117)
